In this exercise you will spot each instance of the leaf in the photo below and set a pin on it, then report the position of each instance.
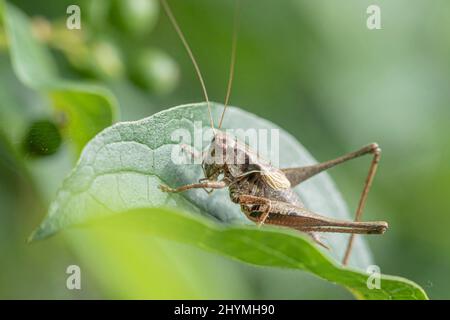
(122, 167)
(121, 265)
(87, 108)
(271, 247)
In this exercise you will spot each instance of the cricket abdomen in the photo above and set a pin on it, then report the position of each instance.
(283, 195)
(259, 189)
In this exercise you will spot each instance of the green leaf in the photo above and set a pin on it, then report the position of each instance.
(86, 108)
(271, 247)
(122, 167)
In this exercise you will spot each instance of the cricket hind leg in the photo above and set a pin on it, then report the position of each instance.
(265, 206)
(362, 200)
(298, 175)
(302, 219)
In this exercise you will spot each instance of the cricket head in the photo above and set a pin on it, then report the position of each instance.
(230, 156)
(226, 154)
(235, 159)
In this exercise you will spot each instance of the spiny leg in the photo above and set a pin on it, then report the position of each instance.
(253, 200)
(300, 174)
(197, 156)
(363, 199)
(302, 219)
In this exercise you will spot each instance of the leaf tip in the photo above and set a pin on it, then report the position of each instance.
(39, 233)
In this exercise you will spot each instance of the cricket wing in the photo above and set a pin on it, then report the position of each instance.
(275, 179)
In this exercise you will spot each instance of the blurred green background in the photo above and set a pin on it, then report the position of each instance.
(312, 67)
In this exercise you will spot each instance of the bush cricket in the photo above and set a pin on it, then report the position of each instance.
(263, 191)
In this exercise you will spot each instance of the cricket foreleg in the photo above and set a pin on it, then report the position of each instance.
(300, 174)
(201, 185)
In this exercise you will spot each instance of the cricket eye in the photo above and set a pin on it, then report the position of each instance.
(213, 152)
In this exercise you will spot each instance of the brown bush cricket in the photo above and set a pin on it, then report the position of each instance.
(263, 191)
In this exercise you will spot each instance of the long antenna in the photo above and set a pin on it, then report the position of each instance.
(233, 59)
(191, 56)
